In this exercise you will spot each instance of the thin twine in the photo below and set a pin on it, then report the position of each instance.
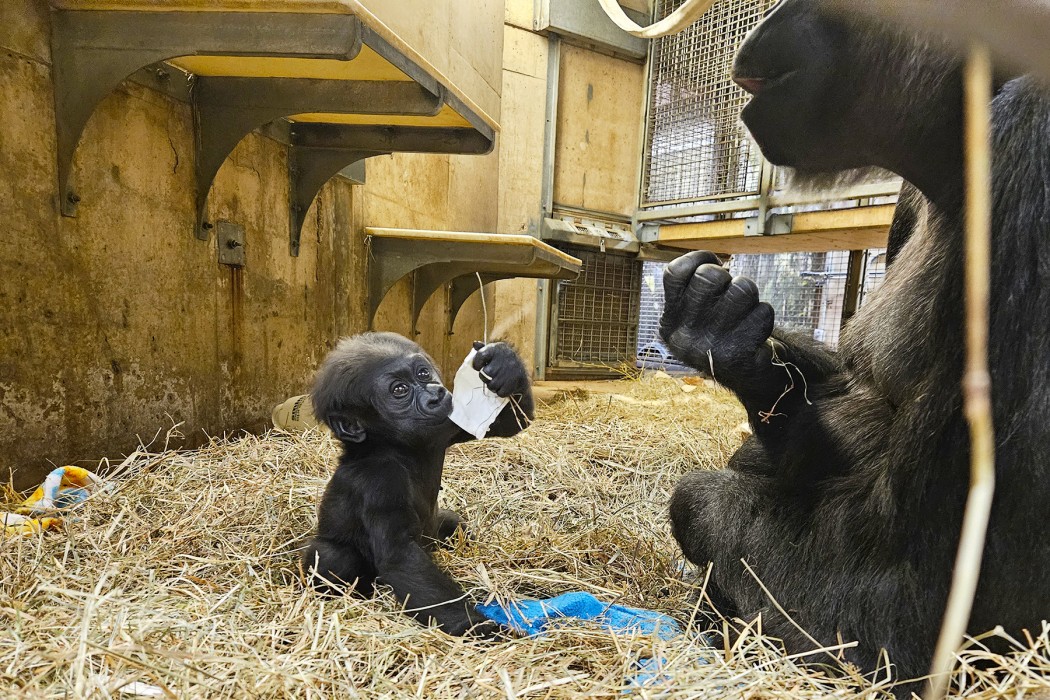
(484, 309)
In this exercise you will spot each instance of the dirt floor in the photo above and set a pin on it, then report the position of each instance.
(179, 580)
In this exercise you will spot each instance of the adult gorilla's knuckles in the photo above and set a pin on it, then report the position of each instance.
(679, 274)
(756, 326)
(378, 516)
(851, 449)
(737, 303)
(681, 269)
(708, 284)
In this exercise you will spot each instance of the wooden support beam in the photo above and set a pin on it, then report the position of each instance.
(836, 229)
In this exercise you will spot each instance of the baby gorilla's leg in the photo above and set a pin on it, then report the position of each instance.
(333, 568)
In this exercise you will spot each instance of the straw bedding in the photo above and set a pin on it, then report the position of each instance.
(179, 581)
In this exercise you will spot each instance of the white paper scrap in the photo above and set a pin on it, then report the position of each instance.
(474, 407)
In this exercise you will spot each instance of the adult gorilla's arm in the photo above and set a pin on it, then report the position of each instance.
(716, 324)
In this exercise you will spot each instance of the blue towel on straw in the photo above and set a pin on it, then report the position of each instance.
(532, 616)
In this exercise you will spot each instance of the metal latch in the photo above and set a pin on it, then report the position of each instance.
(230, 237)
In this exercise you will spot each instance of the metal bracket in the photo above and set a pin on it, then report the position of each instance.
(228, 108)
(308, 170)
(775, 225)
(319, 151)
(230, 237)
(462, 288)
(92, 51)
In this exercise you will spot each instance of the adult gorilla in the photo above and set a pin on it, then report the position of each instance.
(847, 501)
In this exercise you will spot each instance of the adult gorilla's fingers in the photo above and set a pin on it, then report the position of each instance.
(757, 326)
(678, 273)
(500, 386)
(705, 289)
(740, 297)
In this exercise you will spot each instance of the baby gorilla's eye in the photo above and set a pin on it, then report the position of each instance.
(399, 390)
(423, 374)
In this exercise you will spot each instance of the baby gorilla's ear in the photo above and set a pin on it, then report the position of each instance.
(347, 428)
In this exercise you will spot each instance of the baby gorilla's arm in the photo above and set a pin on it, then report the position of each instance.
(505, 375)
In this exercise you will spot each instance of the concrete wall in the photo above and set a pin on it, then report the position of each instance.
(119, 323)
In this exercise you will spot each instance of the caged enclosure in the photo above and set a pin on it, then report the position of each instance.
(390, 164)
(181, 581)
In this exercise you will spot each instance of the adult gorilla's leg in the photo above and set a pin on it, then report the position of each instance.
(448, 522)
(332, 567)
(698, 521)
(714, 514)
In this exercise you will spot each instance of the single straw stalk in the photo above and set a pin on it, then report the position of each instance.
(976, 381)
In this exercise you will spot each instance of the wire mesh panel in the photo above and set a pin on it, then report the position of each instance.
(596, 316)
(652, 351)
(874, 271)
(806, 290)
(696, 146)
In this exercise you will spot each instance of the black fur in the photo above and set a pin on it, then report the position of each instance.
(847, 501)
(383, 399)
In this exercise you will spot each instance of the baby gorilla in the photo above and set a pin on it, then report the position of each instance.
(383, 399)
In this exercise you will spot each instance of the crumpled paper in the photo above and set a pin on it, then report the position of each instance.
(474, 407)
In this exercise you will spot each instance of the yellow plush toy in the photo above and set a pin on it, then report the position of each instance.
(63, 489)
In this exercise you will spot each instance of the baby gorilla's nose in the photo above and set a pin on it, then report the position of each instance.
(435, 395)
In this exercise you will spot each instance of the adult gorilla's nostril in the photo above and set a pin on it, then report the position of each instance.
(752, 86)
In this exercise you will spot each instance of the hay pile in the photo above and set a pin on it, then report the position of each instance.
(181, 579)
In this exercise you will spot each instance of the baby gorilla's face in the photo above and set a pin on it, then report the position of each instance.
(409, 397)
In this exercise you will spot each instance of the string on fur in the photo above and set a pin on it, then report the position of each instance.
(765, 416)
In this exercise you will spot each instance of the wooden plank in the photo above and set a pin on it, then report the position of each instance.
(447, 117)
(599, 131)
(471, 237)
(836, 229)
(367, 65)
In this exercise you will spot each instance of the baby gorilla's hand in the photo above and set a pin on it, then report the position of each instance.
(501, 369)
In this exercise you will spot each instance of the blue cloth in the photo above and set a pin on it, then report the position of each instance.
(531, 617)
